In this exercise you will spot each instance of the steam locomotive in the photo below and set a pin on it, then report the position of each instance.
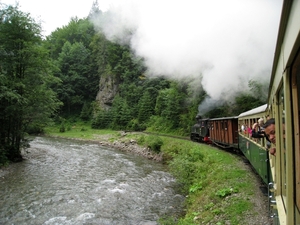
(281, 173)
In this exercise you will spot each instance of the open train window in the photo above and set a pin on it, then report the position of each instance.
(295, 72)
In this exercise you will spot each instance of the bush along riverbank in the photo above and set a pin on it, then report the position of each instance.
(220, 188)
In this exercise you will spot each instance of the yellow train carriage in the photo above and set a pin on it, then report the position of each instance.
(283, 104)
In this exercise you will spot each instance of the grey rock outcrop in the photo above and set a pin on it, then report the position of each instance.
(108, 88)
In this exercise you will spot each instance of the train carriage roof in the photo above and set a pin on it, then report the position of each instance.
(259, 109)
(225, 118)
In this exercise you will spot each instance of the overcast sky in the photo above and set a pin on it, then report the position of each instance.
(228, 42)
(54, 13)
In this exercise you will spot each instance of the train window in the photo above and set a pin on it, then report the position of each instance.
(282, 144)
(247, 128)
(242, 126)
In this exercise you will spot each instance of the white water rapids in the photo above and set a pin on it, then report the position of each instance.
(64, 182)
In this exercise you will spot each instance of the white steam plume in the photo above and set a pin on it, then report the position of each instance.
(226, 42)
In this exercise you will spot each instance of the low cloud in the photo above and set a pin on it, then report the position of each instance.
(227, 43)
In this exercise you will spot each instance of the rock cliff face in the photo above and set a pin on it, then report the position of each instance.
(108, 88)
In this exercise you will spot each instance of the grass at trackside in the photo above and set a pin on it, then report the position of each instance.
(219, 187)
(80, 131)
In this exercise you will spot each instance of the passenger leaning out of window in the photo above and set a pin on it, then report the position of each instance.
(269, 129)
(257, 129)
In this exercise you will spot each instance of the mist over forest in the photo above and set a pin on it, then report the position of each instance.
(134, 67)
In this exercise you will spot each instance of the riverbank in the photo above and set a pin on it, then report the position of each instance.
(121, 142)
(220, 188)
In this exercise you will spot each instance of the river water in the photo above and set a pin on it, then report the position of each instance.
(72, 182)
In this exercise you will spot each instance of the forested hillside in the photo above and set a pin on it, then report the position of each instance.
(76, 73)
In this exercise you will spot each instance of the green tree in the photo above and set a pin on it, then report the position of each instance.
(245, 102)
(25, 77)
(99, 51)
(146, 107)
(125, 115)
(259, 89)
(102, 119)
(169, 104)
(120, 113)
(77, 86)
(193, 100)
(95, 12)
(70, 47)
(77, 30)
(86, 111)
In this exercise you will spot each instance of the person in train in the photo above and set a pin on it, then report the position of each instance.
(242, 128)
(268, 144)
(269, 130)
(257, 129)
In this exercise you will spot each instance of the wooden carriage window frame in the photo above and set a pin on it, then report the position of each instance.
(295, 87)
(282, 144)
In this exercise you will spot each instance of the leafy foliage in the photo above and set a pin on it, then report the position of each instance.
(154, 143)
(80, 58)
(26, 100)
(83, 57)
(225, 192)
